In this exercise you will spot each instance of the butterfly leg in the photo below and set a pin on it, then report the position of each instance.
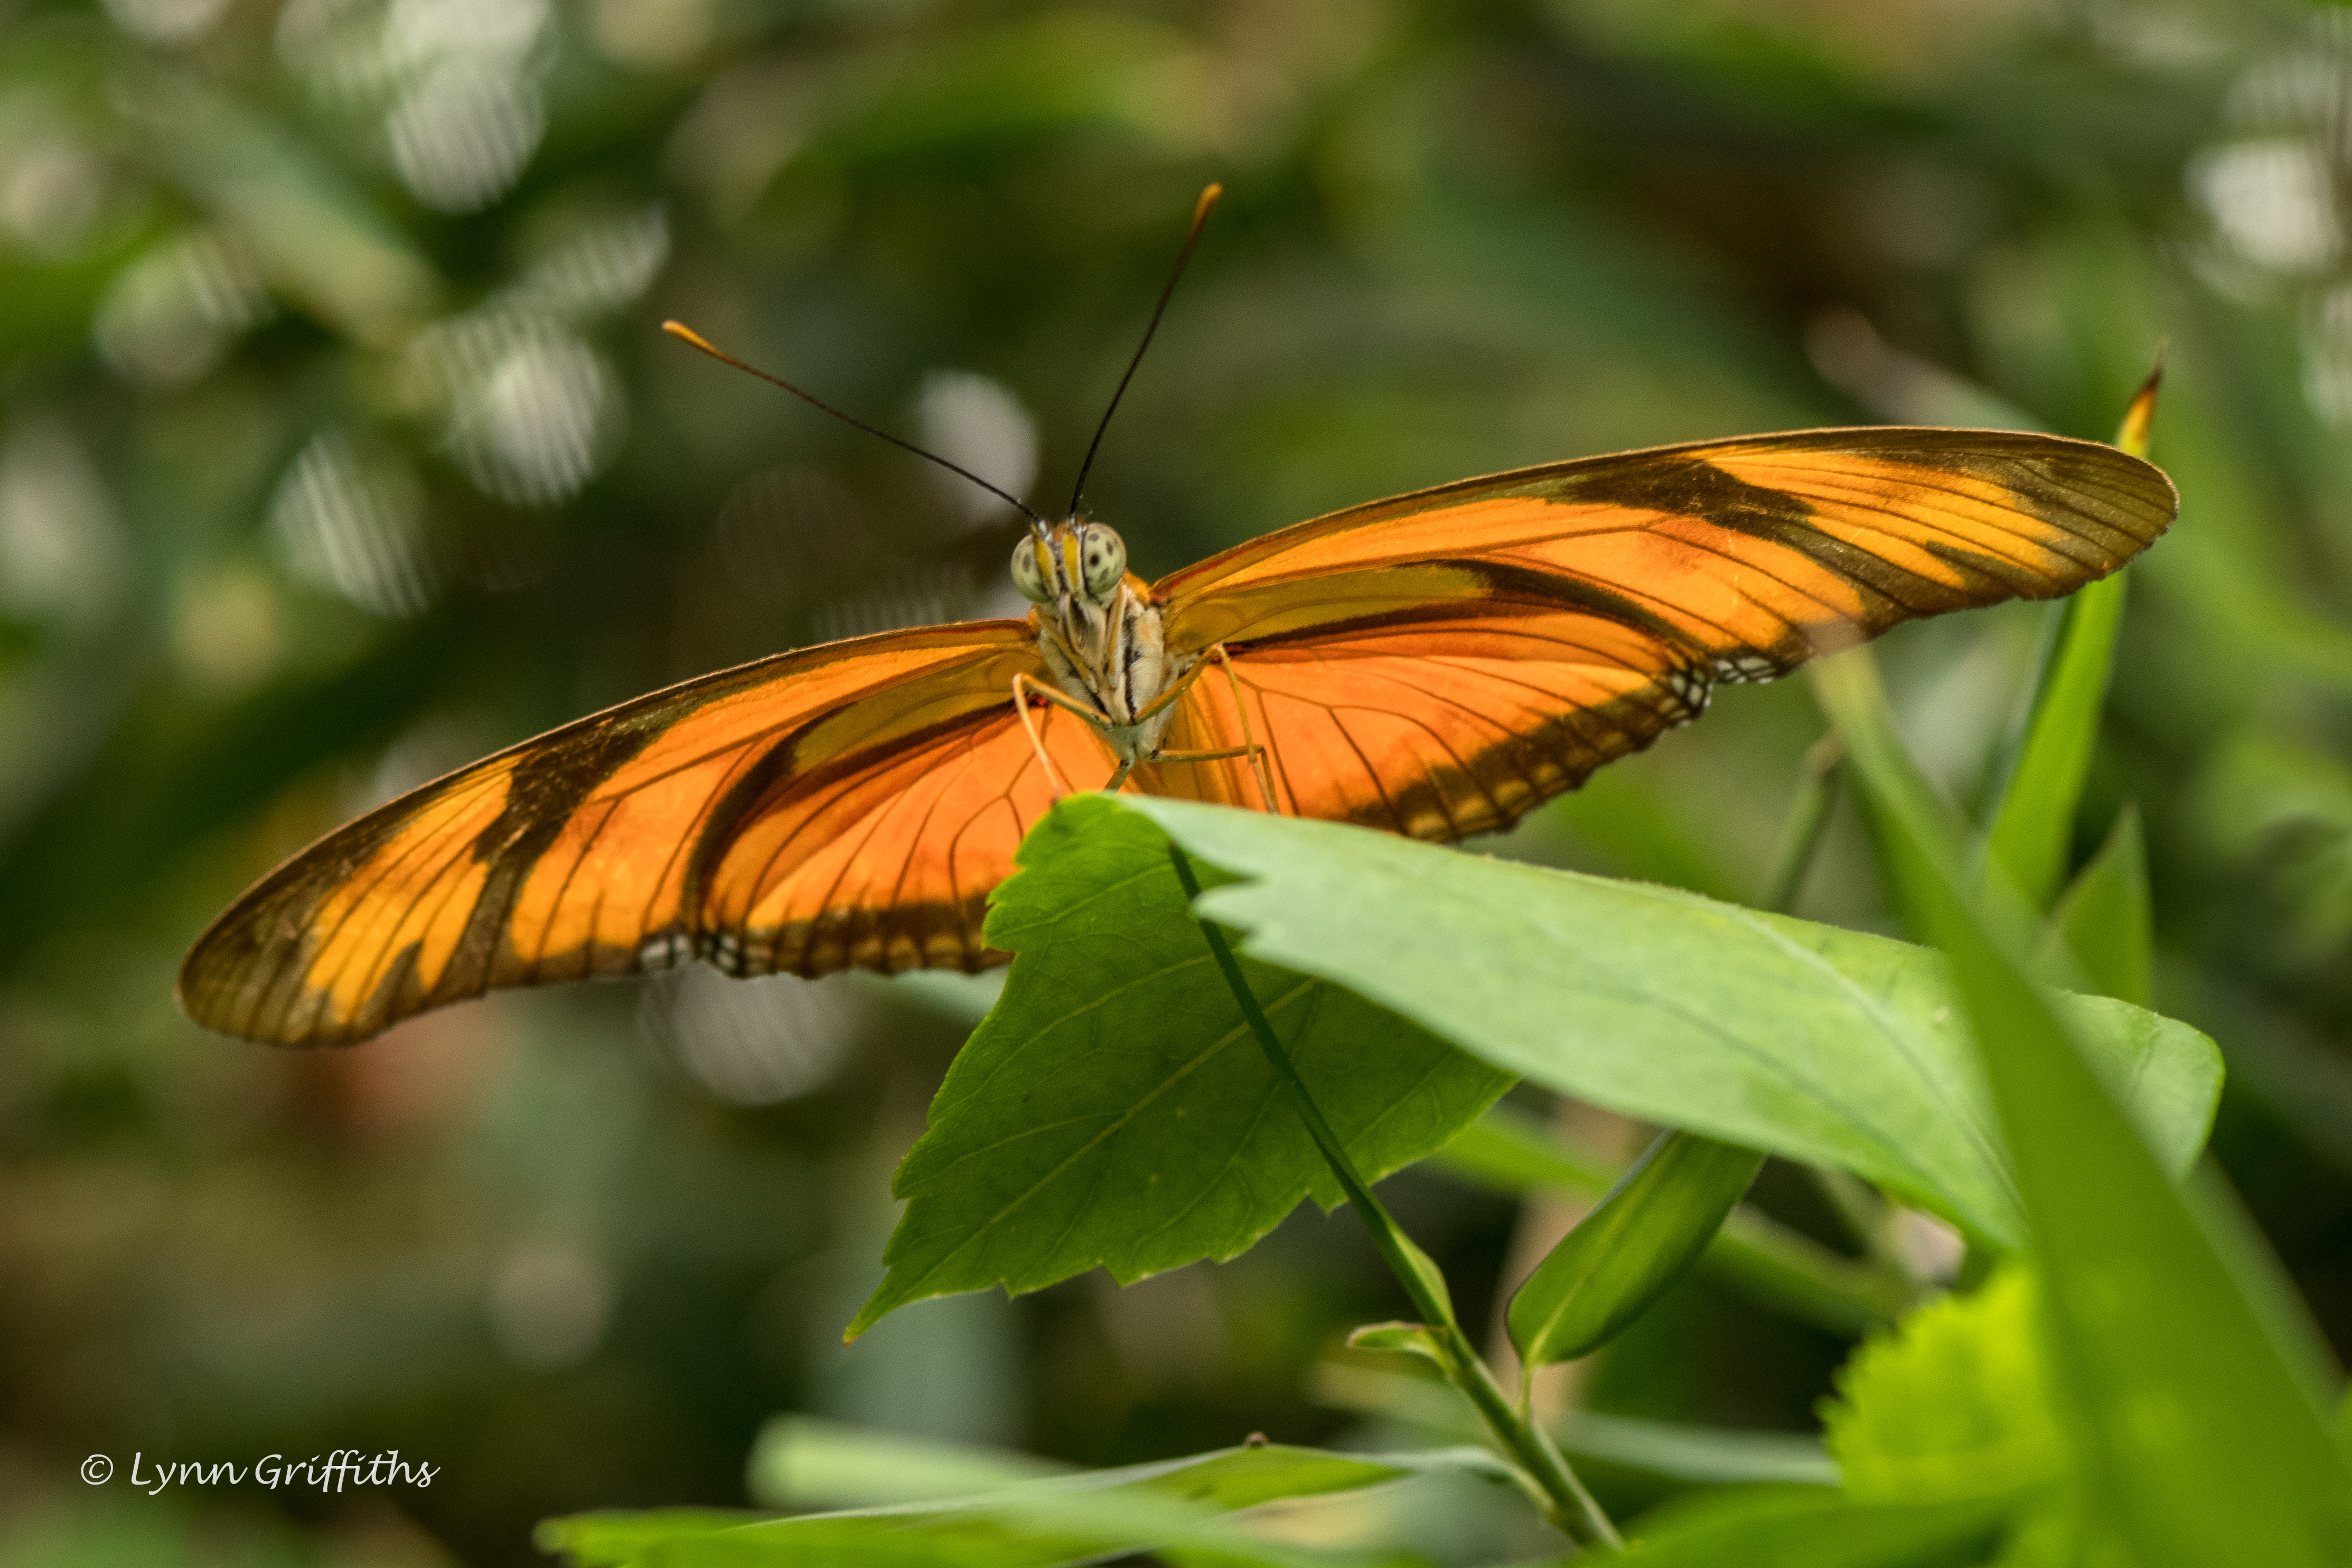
(1257, 753)
(1249, 746)
(1153, 708)
(1022, 688)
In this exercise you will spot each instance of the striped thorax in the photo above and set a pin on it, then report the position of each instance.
(1098, 630)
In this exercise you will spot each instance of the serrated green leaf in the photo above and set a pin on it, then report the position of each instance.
(1113, 1109)
(1809, 1528)
(1823, 1045)
(1623, 1254)
(2197, 1410)
(1180, 1503)
(2105, 921)
(1953, 1403)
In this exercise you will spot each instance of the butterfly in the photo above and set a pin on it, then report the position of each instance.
(1435, 664)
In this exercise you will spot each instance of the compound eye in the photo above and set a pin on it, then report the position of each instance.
(1102, 562)
(1029, 574)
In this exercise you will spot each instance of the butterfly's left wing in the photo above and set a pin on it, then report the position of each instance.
(1440, 663)
(846, 805)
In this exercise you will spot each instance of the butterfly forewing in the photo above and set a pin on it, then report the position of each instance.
(1440, 663)
(589, 849)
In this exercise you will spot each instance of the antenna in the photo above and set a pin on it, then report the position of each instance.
(1192, 237)
(686, 334)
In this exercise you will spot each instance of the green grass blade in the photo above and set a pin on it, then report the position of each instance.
(2034, 820)
(2201, 1428)
(2106, 923)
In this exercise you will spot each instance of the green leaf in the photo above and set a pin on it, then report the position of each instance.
(2105, 921)
(1775, 1528)
(1672, 1450)
(1954, 1403)
(1713, 1456)
(1634, 1244)
(314, 231)
(805, 1461)
(1511, 1151)
(1069, 1518)
(2034, 821)
(1823, 1045)
(1113, 1109)
(613, 1538)
(2198, 1415)
(1403, 1339)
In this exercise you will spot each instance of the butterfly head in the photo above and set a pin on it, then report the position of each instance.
(1076, 565)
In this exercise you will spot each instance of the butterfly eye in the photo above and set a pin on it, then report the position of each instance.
(1029, 573)
(1102, 561)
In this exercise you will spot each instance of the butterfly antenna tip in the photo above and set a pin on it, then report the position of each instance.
(688, 335)
(1191, 237)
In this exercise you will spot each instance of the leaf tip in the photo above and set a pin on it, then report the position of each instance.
(2133, 434)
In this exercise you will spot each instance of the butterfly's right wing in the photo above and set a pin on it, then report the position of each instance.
(1438, 664)
(850, 804)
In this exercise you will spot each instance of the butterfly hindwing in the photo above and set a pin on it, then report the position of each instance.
(597, 848)
(883, 856)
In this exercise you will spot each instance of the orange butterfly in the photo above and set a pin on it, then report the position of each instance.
(1435, 665)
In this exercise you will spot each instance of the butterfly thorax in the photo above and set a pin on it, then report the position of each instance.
(1098, 630)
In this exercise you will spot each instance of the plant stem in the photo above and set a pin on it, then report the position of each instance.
(1566, 1503)
(1809, 820)
(1857, 1204)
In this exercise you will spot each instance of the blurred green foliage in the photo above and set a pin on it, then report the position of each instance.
(336, 447)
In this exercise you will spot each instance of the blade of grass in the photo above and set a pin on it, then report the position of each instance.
(2201, 1422)
(2032, 818)
(2103, 920)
